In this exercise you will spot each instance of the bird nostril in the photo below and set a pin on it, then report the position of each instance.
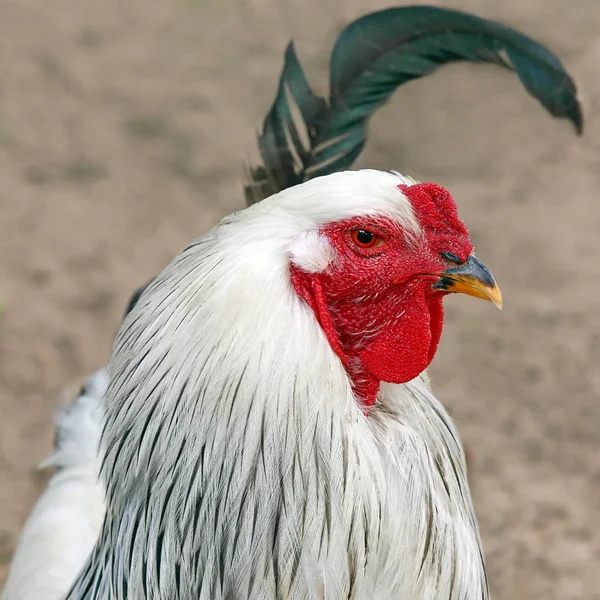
(451, 257)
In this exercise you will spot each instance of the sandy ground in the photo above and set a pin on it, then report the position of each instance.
(124, 128)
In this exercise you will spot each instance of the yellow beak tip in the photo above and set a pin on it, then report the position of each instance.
(496, 298)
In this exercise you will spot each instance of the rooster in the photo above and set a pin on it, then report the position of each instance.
(269, 429)
(338, 475)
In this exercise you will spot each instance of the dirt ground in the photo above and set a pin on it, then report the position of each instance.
(124, 129)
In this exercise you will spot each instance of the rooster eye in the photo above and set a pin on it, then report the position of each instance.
(366, 239)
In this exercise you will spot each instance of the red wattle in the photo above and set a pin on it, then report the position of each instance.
(436, 324)
(407, 346)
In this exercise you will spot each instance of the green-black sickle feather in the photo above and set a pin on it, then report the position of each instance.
(304, 136)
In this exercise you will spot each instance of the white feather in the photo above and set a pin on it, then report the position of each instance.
(64, 525)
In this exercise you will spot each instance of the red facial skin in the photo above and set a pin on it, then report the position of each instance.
(377, 305)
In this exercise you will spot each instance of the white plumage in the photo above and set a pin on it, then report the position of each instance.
(238, 463)
(64, 525)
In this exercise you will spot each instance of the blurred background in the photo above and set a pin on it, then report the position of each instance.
(125, 126)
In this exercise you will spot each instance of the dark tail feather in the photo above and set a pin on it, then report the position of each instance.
(304, 136)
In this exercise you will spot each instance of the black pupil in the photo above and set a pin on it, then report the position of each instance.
(364, 237)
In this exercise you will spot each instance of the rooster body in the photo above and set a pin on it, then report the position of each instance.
(238, 462)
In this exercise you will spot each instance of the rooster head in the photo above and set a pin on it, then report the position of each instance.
(376, 283)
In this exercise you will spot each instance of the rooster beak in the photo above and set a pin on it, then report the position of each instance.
(472, 278)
